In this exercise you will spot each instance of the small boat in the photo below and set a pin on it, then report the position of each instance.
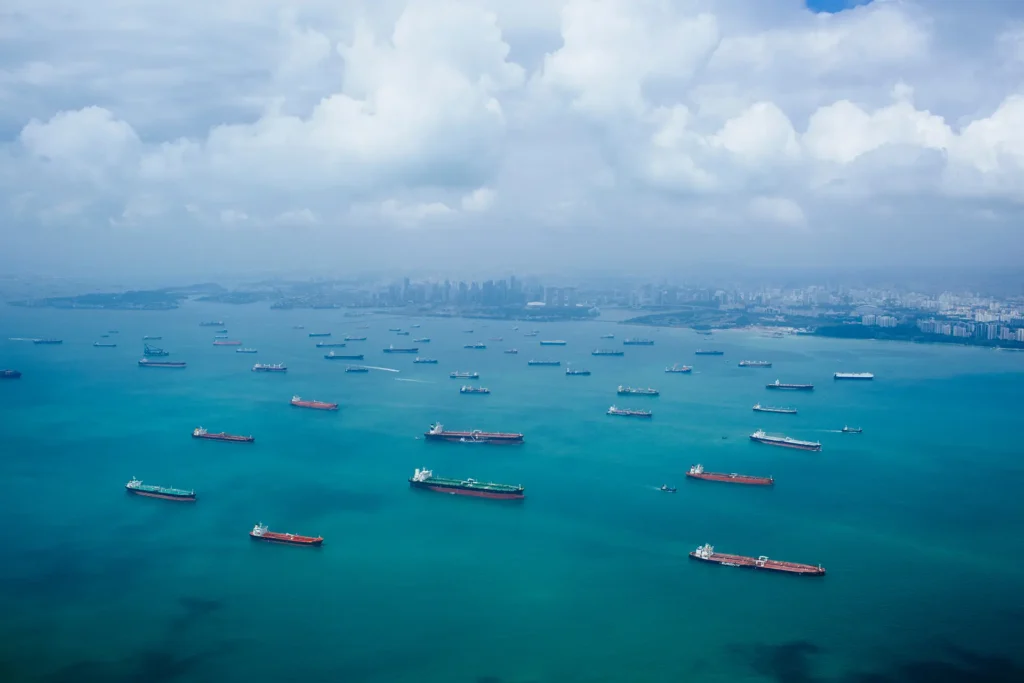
(852, 430)
(667, 489)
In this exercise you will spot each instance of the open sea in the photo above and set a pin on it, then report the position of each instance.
(919, 521)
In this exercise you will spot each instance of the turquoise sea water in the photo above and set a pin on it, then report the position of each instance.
(918, 520)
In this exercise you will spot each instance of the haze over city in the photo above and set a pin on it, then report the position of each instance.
(176, 142)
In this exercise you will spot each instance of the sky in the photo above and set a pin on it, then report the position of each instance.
(197, 138)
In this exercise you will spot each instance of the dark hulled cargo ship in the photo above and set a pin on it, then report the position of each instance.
(200, 433)
(706, 553)
(407, 349)
(758, 408)
(703, 352)
(697, 472)
(425, 479)
(793, 387)
(269, 367)
(785, 441)
(437, 432)
(638, 342)
(135, 486)
(47, 341)
(607, 352)
(343, 356)
(260, 532)
(330, 345)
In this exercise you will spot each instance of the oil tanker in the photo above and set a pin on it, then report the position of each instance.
(147, 363)
(707, 553)
(543, 362)
(330, 345)
(785, 441)
(407, 349)
(755, 364)
(260, 532)
(697, 472)
(466, 389)
(758, 408)
(853, 375)
(319, 334)
(702, 352)
(348, 339)
(343, 356)
(269, 367)
(626, 412)
(630, 391)
(607, 352)
(795, 387)
(680, 369)
(425, 479)
(437, 432)
(316, 405)
(136, 487)
(638, 342)
(227, 342)
(200, 433)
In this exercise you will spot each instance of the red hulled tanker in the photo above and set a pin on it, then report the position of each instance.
(697, 472)
(316, 405)
(706, 553)
(261, 533)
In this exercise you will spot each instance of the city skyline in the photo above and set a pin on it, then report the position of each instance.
(538, 136)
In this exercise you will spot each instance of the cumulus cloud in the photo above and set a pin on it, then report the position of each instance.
(583, 116)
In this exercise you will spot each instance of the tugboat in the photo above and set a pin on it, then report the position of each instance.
(466, 389)
(275, 367)
(135, 486)
(667, 489)
(707, 553)
(625, 412)
(697, 472)
(200, 433)
(852, 430)
(437, 432)
(261, 533)
(425, 479)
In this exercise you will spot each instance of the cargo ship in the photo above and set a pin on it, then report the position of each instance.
(512, 352)
(425, 361)
(357, 368)
(272, 367)
(330, 345)
(343, 356)
(437, 432)
(543, 362)
(553, 342)
(638, 342)
(394, 329)
(607, 352)
(785, 441)
(679, 369)
(261, 533)
(425, 479)
(852, 430)
(316, 405)
(408, 349)
(607, 336)
(697, 472)
(707, 553)
(104, 345)
(625, 412)
(154, 351)
(630, 391)
(853, 375)
(146, 363)
(213, 323)
(348, 339)
(758, 408)
(402, 334)
(10, 374)
(478, 345)
(319, 334)
(795, 387)
(702, 352)
(136, 487)
(149, 337)
(422, 340)
(755, 364)
(227, 342)
(465, 375)
(47, 341)
(571, 371)
(246, 351)
(200, 433)
(466, 389)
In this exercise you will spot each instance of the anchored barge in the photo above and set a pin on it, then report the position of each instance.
(707, 553)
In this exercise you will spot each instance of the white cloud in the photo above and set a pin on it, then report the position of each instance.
(582, 116)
